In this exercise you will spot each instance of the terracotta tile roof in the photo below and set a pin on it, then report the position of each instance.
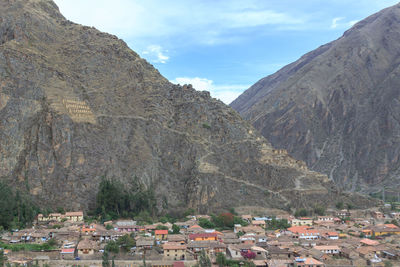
(74, 213)
(161, 232)
(390, 225)
(332, 234)
(195, 226)
(173, 245)
(202, 235)
(369, 242)
(68, 250)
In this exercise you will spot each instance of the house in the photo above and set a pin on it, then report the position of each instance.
(74, 216)
(67, 253)
(203, 237)
(249, 238)
(126, 226)
(384, 229)
(86, 247)
(332, 235)
(391, 254)
(145, 243)
(88, 229)
(369, 242)
(260, 252)
(308, 262)
(249, 229)
(174, 251)
(210, 247)
(177, 238)
(325, 219)
(377, 215)
(247, 218)
(343, 213)
(279, 253)
(106, 236)
(51, 217)
(259, 223)
(161, 235)
(348, 253)
(395, 215)
(304, 232)
(328, 249)
(301, 221)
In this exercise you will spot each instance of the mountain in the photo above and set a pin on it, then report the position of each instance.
(77, 105)
(338, 107)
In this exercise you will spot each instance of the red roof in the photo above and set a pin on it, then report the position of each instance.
(161, 232)
(390, 225)
(332, 234)
(202, 235)
(179, 264)
(369, 242)
(68, 250)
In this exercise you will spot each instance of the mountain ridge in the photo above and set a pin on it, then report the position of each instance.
(78, 105)
(335, 107)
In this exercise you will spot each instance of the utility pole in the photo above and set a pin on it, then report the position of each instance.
(383, 194)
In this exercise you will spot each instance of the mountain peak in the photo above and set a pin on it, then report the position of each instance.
(336, 107)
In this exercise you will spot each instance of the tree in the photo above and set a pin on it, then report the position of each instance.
(204, 260)
(3, 258)
(227, 219)
(319, 210)
(175, 229)
(221, 259)
(301, 212)
(349, 206)
(52, 242)
(339, 205)
(161, 227)
(112, 262)
(238, 220)
(203, 222)
(126, 242)
(275, 224)
(105, 260)
(115, 199)
(111, 246)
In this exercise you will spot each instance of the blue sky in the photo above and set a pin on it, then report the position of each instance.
(222, 46)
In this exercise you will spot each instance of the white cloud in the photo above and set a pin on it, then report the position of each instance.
(351, 23)
(335, 22)
(189, 20)
(155, 54)
(340, 22)
(226, 93)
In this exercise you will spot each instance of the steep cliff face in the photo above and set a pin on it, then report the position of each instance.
(337, 107)
(77, 104)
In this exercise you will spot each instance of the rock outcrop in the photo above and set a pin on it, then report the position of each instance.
(77, 104)
(337, 107)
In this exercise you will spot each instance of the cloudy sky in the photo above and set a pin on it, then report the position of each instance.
(223, 46)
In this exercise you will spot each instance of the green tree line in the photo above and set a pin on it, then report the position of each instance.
(115, 200)
(16, 208)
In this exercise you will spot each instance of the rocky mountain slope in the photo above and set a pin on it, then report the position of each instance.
(77, 105)
(338, 107)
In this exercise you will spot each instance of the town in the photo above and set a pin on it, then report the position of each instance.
(342, 237)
